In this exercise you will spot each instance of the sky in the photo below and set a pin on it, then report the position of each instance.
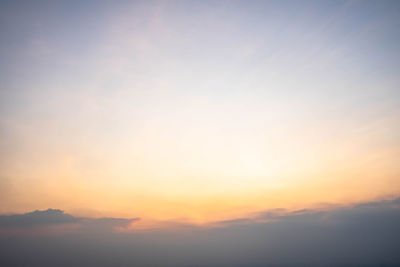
(200, 133)
(197, 111)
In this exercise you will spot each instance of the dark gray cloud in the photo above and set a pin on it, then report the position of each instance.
(51, 217)
(37, 218)
(362, 235)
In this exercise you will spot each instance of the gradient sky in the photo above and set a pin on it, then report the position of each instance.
(191, 110)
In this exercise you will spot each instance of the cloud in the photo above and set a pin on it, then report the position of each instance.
(37, 218)
(55, 217)
(361, 235)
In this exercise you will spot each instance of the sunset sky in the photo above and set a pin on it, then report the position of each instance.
(197, 111)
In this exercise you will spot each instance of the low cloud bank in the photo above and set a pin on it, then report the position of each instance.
(362, 235)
